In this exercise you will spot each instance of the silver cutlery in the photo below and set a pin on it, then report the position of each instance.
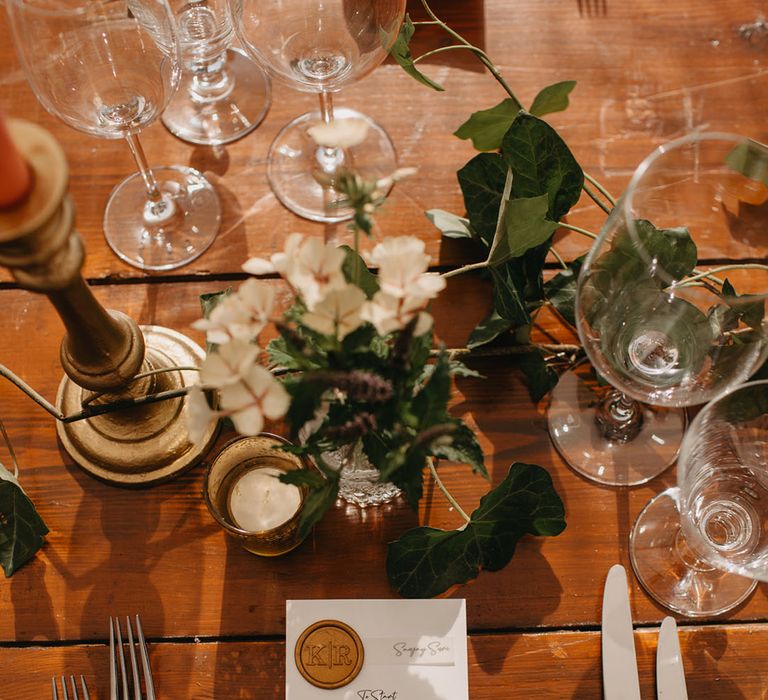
(670, 674)
(620, 678)
(64, 694)
(118, 689)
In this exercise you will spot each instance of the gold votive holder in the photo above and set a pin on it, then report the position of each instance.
(246, 498)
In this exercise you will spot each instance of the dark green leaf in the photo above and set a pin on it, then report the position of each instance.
(553, 98)
(750, 158)
(431, 403)
(22, 530)
(482, 184)
(463, 447)
(540, 378)
(561, 290)
(356, 272)
(306, 398)
(490, 328)
(303, 477)
(671, 251)
(401, 52)
(749, 308)
(450, 225)
(487, 127)
(282, 355)
(316, 504)
(506, 299)
(427, 561)
(525, 227)
(542, 164)
(208, 302)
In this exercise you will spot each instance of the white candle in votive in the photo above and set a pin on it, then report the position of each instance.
(259, 501)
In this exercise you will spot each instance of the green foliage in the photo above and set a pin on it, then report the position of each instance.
(526, 227)
(487, 127)
(450, 225)
(553, 98)
(356, 272)
(560, 291)
(22, 530)
(490, 328)
(401, 52)
(482, 184)
(427, 561)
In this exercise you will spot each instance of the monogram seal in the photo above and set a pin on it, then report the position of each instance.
(329, 654)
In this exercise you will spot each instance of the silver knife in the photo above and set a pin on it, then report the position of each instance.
(620, 679)
(670, 674)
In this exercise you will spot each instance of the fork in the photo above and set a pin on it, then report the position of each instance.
(593, 8)
(64, 694)
(117, 657)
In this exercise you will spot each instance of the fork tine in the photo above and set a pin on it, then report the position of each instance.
(85, 689)
(132, 654)
(54, 692)
(112, 663)
(121, 657)
(64, 688)
(148, 682)
(74, 687)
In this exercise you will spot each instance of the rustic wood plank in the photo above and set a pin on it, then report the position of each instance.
(113, 551)
(647, 73)
(722, 662)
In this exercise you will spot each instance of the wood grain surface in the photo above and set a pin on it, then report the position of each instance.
(647, 71)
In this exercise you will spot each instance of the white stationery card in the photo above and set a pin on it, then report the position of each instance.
(404, 649)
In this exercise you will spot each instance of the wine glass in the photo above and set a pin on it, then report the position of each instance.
(700, 548)
(320, 46)
(223, 94)
(655, 325)
(108, 68)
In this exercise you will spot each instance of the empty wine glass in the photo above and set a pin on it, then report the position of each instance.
(320, 46)
(659, 325)
(109, 68)
(223, 94)
(700, 548)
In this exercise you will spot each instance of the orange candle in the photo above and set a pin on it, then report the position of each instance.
(15, 178)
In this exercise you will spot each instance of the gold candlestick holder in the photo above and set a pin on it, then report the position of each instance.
(120, 405)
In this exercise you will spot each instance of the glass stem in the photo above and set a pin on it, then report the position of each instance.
(153, 192)
(326, 106)
(619, 417)
(211, 80)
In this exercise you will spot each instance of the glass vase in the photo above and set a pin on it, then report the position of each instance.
(359, 480)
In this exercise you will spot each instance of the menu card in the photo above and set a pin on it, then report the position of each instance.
(376, 650)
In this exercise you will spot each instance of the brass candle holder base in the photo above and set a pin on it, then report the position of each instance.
(145, 444)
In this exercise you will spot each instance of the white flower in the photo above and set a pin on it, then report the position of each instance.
(242, 315)
(338, 313)
(229, 364)
(402, 267)
(339, 133)
(388, 313)
(199, 414)
(256, 396)
(384, 183)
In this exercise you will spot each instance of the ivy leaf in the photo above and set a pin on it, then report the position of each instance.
(281, 355)
(487, 127)
(482, 184)
(526, 227)
(540, 377)
(316, 505)
(750, 158)
(507, 302)
(749, 308)
(490, 328)
(542, 164)
(427, 561)
(356, 272)
(22, 530)
(306, 398)
(463, 448)
(450, 225)
(431, 403)
(560, 291)
(401, 52)
(553, 98)
(670, 250)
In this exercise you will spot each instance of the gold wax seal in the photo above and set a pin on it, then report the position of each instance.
(329, 654)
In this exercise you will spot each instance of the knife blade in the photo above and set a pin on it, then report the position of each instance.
(620, 678)
(670, 673)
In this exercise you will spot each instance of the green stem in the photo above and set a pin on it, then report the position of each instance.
(559, 259)
(484, 59)
(582, 231)
(446, 493)
(356, 243)
(600, 188)
(442, 49)
(711, 273)
(465, 268)
(596, 199)
(10, 450)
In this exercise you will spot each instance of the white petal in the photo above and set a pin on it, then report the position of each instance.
(423, 324)
(276, 401)
(259, 266)
(339, 133)
(199, 414)
(249, 421)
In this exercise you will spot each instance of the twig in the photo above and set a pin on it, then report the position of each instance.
(507, 350)
(596, 199)
(582, 231)
(465, 268)
(600, 189)
(711, 273)
(446, 492)
(10, 450)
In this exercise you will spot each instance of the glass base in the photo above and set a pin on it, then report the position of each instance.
(228, 117)
(183, 232)
(671, 573)
(293, 162)
(358, 480)
(581, 443)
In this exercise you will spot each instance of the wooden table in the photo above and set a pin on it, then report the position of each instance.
(648, 71)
